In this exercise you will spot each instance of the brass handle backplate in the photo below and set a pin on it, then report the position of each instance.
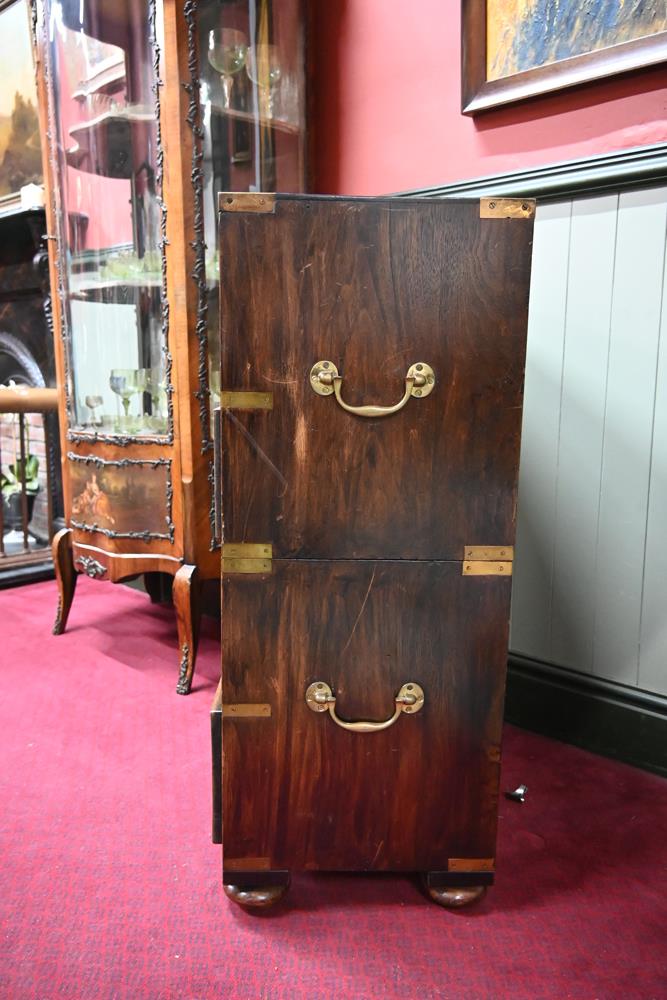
(325, 380)
(320, 698)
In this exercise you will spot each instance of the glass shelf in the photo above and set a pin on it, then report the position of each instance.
(102, 145)
(264, 121)
(92, 289)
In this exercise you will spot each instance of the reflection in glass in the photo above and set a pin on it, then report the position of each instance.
(264, 70)
(252, 93)
(94, 403)
(102, 77)
(155, 383)
(214, 381)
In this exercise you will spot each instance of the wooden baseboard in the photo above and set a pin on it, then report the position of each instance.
(610, 719)
(32, 572)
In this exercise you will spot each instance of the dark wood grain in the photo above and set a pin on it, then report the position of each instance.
(306, 794)
(373, 286)
(368, 519)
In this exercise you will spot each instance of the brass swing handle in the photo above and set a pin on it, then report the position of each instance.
(320, 698)
(325, 380)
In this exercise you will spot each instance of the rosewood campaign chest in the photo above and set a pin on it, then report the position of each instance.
(372, 356)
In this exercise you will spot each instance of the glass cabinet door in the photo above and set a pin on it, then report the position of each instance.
(105, 144)
(252, 117)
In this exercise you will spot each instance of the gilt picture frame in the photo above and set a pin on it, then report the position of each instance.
(20, 149)
(512, 50)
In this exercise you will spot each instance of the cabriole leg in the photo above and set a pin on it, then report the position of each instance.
(185, 594)
(65, 575)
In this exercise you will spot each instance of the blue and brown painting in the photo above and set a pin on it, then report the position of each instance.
(524, 34)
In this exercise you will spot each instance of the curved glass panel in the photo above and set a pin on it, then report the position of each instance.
(105, 143)
(252, 115)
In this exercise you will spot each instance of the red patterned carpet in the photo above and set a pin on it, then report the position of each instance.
(110, 885)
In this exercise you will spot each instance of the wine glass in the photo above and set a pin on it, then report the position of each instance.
(227, 51)
(126, 383)
(263, 67)
(92, 402)
(155, 385)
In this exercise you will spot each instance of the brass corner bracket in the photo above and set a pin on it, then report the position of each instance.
(487, 560)
(506, 208)
(260, 202)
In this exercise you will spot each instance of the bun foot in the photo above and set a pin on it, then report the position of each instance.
(258, 897)
(454, 897)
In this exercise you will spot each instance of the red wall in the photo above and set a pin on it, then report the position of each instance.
(387, 105)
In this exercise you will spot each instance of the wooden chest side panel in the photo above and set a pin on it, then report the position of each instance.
(302, 793)
(373, 287)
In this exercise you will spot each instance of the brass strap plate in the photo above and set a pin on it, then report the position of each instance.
(489, 553)
(506, 208)
(247, 550)
(239, 711)
(246, 557)
(242, 400)
(260, 202)
(487, 560)
(470, 864)
(245, 566)
(474, 568)
(247, 864)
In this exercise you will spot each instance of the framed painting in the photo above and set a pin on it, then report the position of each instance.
(20, 151)
(514, 49)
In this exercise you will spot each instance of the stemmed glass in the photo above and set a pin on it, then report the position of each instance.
(227, 51)
(264, 69)
(155, 385)
(93, 402)
(126, 383)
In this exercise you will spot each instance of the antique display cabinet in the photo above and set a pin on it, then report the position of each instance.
(149, 109)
